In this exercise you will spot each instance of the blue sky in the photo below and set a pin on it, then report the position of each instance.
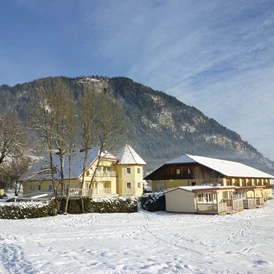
(215, 55)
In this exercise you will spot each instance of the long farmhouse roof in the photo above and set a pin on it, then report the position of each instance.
(227, 168)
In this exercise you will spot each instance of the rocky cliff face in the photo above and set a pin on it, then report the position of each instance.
(160, 126)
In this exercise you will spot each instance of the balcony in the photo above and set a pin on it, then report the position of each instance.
(92, 193)
(106, 173)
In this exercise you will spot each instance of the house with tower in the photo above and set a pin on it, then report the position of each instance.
(106, 175)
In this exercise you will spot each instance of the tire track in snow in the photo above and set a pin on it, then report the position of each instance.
(12, 259)
(239, 232)
(146, 227)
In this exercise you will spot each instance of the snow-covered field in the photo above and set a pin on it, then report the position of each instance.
(140, 242)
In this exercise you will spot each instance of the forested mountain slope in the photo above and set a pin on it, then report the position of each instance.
(160, 127)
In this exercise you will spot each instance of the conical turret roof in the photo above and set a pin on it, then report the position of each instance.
(128, 156)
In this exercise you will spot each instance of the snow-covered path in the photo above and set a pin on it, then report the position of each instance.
(140, 243)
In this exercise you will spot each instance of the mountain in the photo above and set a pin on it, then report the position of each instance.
(161, 127)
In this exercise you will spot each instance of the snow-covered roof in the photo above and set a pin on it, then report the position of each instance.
(202, 187)
(227, 168)
(36, 171)
(191, 188)
(128, 156)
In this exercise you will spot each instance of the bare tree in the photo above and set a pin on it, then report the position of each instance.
(89, 127)
(13, 171)
(54, 120)
(64, 127)
(12, 141)
(101, 120)
(102, 124)
(12, 146)
(70, 139)
(43, 120)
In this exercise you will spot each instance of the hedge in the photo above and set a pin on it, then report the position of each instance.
(102, 205)
(28, 210)
(153, 201)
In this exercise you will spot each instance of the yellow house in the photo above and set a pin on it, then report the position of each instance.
(104, 176)
(129, 170)
(190, 170)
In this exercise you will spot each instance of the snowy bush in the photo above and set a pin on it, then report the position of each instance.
(114, 205)
(102, 205)
(153, 201)
(27, 210)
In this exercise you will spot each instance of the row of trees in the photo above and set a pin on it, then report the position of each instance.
(61, 121)
(65, 120)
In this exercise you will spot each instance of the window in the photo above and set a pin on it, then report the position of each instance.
(128, 170)
(208, 197)
(138, 170)
(50, 188)
(200, 197)
(128, 185)
(30, 187)
(39, 187)
(139, 185)
(178, 171)
(160, 186)
(106, 169)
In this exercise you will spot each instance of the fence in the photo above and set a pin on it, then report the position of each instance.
(249, 203)
(211, 208)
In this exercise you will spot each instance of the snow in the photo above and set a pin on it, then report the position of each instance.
(35, 174)
(92, 79)
(87, 79)
(141, 242)
(128, 156)
(25, 204)
(203, 187)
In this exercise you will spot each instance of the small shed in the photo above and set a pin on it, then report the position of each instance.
(180, 200)
(203, 200)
